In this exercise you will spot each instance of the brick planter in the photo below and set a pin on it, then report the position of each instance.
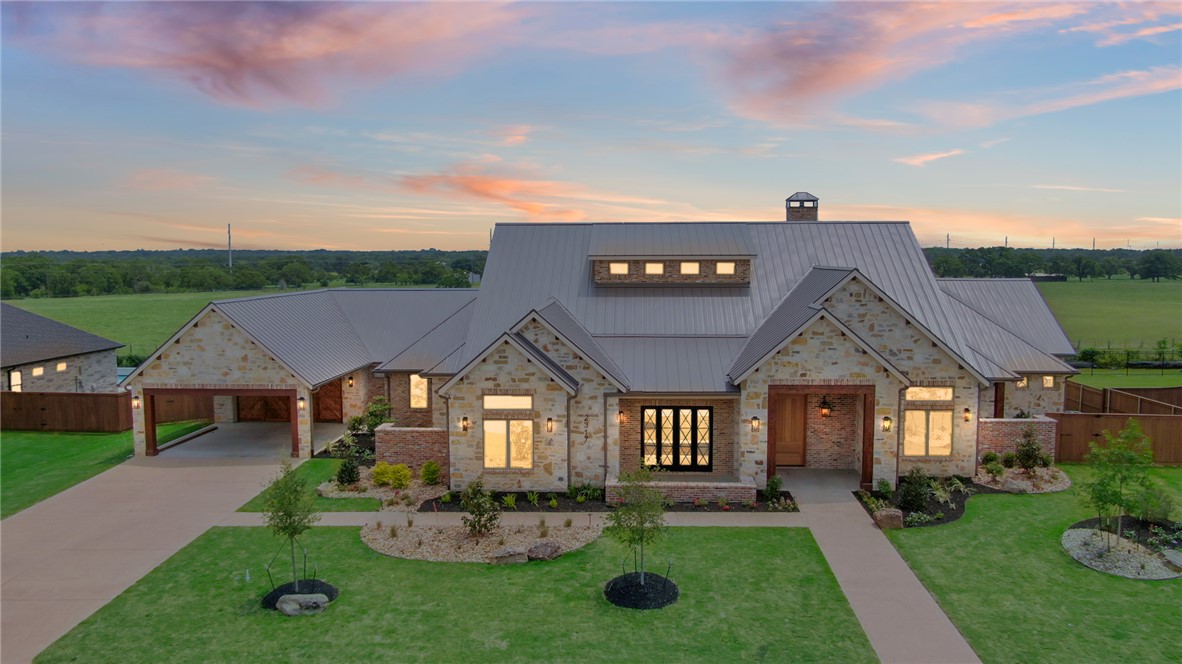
(413, 447)
(1002, 435)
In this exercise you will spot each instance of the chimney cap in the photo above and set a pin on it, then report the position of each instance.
(802, 196)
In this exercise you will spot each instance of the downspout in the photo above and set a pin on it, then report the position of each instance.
(605, 465)
(570, 480)
(447, 428)
(899, 433)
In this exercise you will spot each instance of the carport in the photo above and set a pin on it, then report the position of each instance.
(272, 397)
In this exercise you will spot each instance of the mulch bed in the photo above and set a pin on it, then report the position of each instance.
(362, 440)
(950, 512)
(307, 587)
(760, 505)
(572, 505)
(626, 591)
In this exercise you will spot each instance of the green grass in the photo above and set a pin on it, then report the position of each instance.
(35, 465)
(747, 594)
(1002, 576)
(315, 471)
(1136, 378)
(1118, 312)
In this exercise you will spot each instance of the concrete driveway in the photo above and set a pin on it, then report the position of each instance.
(63, 558)
(250, 440)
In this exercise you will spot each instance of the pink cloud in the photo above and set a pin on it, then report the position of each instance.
(922, 160)
(515, 135)
(1072, 187)
(162, 179)
(1038, 13)
(1122, 37)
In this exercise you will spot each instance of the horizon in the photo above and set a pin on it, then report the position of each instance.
(387, 127)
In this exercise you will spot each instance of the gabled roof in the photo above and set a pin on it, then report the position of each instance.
(675, 364)
(437, 343)
(561, 322)
(535, 354)
(26, 337)
(802, 196)
(1017, 306)
(1003, 347)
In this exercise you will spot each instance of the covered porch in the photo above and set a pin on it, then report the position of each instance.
(821, 427)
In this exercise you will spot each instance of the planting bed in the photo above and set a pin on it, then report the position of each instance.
(941, 512)
(566, 504)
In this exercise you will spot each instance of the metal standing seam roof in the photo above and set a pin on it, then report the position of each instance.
(26, 337)
(676, 364)
(1002, 347)
(561, 320)
(684, 240)
(802, 196)
(439, 342)
(1017, 306)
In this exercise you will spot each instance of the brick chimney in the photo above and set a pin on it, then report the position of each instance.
(802, 206)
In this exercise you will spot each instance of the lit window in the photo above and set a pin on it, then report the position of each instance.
(724, 268)
(1023, 383)
(15, 380)
(1048, 382)
(618, 268)
(508, 444)
(418, 391)
(61, 366)
(654, 268)
(929, 394)
(677, 438)
(927, 433)
(794, 204)
(37, 371)
(689, 268)
(809, 203)
(508, 402)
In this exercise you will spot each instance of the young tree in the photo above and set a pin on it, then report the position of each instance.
(289, 508)
(1119, 469)
(640, 518)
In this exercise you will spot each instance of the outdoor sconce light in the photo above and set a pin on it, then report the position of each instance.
(549, 425)
(620, 417)
(826, 407)
(350, 381)
(464, 423)
(135, 403)
(302, 403)
(755, 424)
(968, 415)
(886, 424)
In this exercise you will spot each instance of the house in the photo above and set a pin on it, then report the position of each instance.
(716, 351)
(38, 354)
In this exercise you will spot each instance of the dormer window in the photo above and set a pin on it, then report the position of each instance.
(618, 268)
(793, 203)
(690, 267)
(724, 267)
(809, 204)
(689, 270)
(654, 268)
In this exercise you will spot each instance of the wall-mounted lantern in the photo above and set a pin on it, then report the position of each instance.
(887, 423)
(350, 381)
(464, 423)
(302, 403)
(549, 425)
(135, 402)
(968, 415)
(620, 417)
(755, 424)
(826, 407)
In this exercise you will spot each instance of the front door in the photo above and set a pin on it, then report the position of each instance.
(789, 419)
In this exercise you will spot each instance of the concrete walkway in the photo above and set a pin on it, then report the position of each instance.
(70, 554)
(901, 618)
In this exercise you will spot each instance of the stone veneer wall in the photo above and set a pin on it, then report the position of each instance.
(706, 273)
(225, 409)
(833, 442)
(723, 427)
(354, 399)
(1034, 398)
(413, 447)
(89, 372)
(1002, 435)
(215, 354)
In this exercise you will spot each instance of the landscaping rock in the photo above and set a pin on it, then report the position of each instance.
(889, 518)
(302, 605)
(544, 551)
(1174, 556)
(509, 556)
(1015, 485)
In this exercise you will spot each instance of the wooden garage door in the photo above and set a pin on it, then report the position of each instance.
(326, 403)
(264, 409)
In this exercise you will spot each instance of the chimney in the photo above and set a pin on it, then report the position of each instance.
(802, 206)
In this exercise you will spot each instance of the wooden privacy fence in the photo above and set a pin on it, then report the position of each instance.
(1077, 430)
(66, 411)
(1133, 401)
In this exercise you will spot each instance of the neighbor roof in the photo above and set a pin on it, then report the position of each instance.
(26, 338)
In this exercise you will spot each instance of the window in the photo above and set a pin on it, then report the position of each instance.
(677, 438)
(927, 433)
(654, 268)
(508, 402)
(15, 380)
(929, 394)
(793, 203)
(618, 268)
(37, 371)
(1048, 382)
(61, 366)
(809, 204)
(1023, 383)
(689, 268)
(724, 267)
(418, 391)
(509, 444)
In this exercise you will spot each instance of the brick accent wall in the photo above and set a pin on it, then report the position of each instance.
(686, 492)
(707, 273)
(1001, 436)
(403, 414)
(835, 441)
(413, 447)
(724, 431)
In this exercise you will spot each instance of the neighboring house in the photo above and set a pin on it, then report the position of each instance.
(717, 351)
(42, 355)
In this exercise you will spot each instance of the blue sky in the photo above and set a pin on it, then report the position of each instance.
(387, 126)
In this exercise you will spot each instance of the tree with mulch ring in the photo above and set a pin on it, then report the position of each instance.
(639, 520)
(290, 510)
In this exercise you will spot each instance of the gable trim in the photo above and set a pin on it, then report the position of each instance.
(508, 338)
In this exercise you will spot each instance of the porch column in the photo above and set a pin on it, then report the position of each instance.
(294, 413)
(149, 424)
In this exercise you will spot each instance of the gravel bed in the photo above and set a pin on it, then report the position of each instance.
(453, 545)
(393, 500)
(1127, 559)
(1016, 480)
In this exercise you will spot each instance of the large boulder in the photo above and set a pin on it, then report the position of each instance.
(1013, 484)
(544, 551)
(889, 517)
(509, 556)
(1174, 556)
(302, 605)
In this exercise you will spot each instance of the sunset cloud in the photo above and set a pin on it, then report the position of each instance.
(922, 160)
(1070, 187)
(164, 179)
(515, 135)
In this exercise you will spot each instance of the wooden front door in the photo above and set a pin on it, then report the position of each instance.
(789, 417)
(263, 409)
(326, 403)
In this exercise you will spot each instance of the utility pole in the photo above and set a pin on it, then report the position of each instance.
(1093, 244)
(1052, 242)
(947, 240)
(1007, 241)
(230, 247)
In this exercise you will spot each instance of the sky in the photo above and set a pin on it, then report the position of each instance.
(377, 125)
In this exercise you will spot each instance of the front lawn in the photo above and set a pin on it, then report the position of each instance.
(747, 594)
(315, 471)
(35, 465)
(1002, 576)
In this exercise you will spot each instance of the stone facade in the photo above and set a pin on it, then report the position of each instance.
(707, 273)
(89, 372)
(1034, 398)
(225, 409)
(724, 427)
(354, 397)
(1002, 435)
(413, 447)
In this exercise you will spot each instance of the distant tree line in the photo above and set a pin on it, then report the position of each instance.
(1154, 265)
(69, 273)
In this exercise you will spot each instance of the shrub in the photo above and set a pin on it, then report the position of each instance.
(510, 500)
(884, 487)
(543, 529)
(430, 473)
(1029, 451)
(1153, 504)
(782, 505)
(957, 485)
(941, 493)
(1046, 461)
(873, 504)
(989, 457)
(483, 513)
(348, 473)
(921, 519)
(532, 497)
(377, 412)
(1022, 415)
(355, 424)
(915, 489)
(995, 470)
(446, 497)
(723, 502)
(554, 503)
(396, 476)
(1009, 459)
(775, 484)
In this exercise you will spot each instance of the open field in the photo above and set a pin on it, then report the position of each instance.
(197, 607)
(1118, 313)
(1135, 378)
(1004, 579)
(313, 472)
(35, 465)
